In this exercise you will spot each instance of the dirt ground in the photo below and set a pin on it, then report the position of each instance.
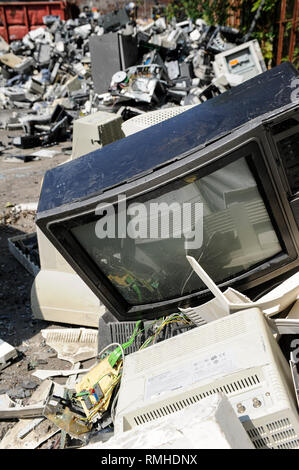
(19, 183)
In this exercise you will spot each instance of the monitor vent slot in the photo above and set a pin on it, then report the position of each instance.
(196, 318)
(227, 388)
(254, 433)
(121, 331)
(263, 436)
(289, 445)
(143, 121)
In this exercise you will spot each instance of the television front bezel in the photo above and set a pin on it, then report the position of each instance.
(206, 159)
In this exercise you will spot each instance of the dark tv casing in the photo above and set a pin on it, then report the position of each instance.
(253, 115)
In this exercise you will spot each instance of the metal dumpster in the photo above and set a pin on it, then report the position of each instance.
(18, 18)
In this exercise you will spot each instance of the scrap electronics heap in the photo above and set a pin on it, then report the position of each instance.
(67, 69)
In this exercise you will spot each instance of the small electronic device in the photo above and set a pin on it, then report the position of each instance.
(236, 355)
(239, 163)
(245, 60)
(7, 354)
(76, 411)
(63, 412)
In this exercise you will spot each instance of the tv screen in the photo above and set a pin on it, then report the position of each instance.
(231, 232)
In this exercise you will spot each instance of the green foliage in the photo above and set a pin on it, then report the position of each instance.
(182, 9)
(218, 11)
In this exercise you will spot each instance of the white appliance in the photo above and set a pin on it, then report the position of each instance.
(145, 120)
(94, 131)
(236, 355)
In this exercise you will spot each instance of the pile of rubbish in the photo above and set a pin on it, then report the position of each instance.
(72, 68)
(213, 375)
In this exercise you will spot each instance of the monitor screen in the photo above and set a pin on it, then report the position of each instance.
(219, 218)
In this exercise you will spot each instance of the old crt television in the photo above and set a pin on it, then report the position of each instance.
(236, 156)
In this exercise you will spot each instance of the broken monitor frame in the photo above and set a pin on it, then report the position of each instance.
(232, 157)
(245, 60)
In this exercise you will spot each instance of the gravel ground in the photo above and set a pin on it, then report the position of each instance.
(20, 182)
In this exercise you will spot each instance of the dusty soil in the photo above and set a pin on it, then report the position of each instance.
(21, 182)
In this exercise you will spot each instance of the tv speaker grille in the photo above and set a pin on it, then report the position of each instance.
(181, 346)
(228, 388)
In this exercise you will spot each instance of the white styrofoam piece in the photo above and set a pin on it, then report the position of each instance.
(282, 296)
(45, 153)
(6, 402)
(26, 206)
(209, 424)
(7, 352)
(271, 304)
(32, 425)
